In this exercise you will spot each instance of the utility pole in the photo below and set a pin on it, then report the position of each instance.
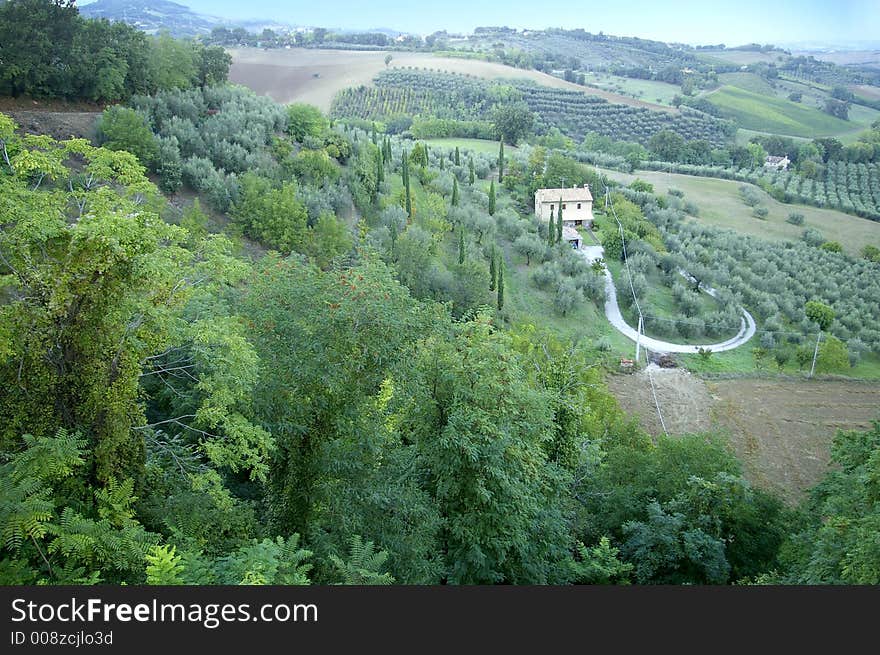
(815, 353)
(639, 338)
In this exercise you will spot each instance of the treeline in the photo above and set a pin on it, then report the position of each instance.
(49, 51)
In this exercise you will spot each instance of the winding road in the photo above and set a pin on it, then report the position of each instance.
(614, 316)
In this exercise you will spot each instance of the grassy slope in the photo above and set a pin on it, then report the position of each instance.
(476, 145)
(770, 114)
(720, 205)
(649, 90)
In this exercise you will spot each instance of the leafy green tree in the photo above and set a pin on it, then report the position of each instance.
(122, 128)
(271, 215)
(173, 64)
(478, 426)
(35, 36)
(305, 120)
(213, 65)
(512, 121)
(600, 564)
(567, 296)
(667, 145)
(528, 245)
(833, 356)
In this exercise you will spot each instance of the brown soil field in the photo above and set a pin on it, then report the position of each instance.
(316, 76)
(780, 429)
(57, 124)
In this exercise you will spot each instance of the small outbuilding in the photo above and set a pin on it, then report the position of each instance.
(571, 237)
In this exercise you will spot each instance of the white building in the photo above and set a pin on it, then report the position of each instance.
(571, 235)
(776, 163)
(577, 205)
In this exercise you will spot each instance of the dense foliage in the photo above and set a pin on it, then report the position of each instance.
(49, 51)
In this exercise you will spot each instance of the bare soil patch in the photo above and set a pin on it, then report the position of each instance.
(316, 76)
(57, 124)
(781, 430)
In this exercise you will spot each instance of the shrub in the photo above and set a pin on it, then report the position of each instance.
(760, 212)
(795, 218)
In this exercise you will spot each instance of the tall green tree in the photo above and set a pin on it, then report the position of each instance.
(457, 157)
(559, 223)
(493, 274)
(501, 162)
(500, 302)
(492, 198)
(471, 172)
(478, 429)
(455, 200)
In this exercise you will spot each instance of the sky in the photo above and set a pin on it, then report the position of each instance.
(732, 22)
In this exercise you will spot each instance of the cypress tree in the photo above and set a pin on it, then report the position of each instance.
(551, 229)
(501, 162)
(500, 285)
(442, 165)
(408, 198)
(493, 274)
(471, 174)
(454, 192)
(492, 198)
(380, 167)
(457, 157)
(559, 223)
(461, 247)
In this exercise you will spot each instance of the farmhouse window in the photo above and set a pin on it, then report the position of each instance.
(551, 207)
(579, 205)
(563, 206)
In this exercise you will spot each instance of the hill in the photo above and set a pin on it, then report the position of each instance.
(152, 16)
(755, 111)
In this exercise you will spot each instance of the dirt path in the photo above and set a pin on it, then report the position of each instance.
(615, 317)
(780, 429)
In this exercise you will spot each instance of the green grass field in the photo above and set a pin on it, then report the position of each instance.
(475, 145)
(755, 111)
(648, 90)
(720, 204)
(748, 81)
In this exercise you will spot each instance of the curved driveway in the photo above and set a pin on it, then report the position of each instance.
(612, 313)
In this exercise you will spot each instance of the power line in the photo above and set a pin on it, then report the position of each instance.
(639, 309)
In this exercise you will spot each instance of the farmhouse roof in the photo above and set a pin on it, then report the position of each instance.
(567, 195)
(570, 234)
(773, 159)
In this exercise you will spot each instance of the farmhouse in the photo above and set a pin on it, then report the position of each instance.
(776, 163)
(577, 205)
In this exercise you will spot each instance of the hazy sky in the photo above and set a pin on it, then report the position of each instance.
(732, 22)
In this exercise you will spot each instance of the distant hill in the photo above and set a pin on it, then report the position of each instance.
(152, 16)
